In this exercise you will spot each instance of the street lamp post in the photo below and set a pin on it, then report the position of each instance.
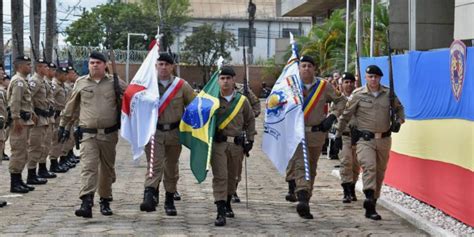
(127, 67)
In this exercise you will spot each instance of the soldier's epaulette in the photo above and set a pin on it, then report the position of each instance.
(81, 78)
(241, 93)
(357, 90)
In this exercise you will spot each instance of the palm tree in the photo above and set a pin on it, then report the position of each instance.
(50, 28)
(17, 27)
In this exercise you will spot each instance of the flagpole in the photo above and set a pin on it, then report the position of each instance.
(152, 139)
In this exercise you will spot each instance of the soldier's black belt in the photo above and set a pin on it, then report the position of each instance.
(167, 127)
(101, 130)
(57, 113)
(219, 138)
(346, 134)
(366, 135)
(317, 128)
(25, 115)
(42, 113)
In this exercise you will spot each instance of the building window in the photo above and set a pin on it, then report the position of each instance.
(244, 32)
(286, 32)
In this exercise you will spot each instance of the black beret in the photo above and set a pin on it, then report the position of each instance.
(51, 65)
(308, 59)
(22, 59)
(166, 57)
(98, 55)
(228, 71)
(348, 76)
(374, 69)
(70, 68)
(41, 60)
(61, 69)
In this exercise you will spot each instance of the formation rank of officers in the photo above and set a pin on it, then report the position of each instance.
(56, 109)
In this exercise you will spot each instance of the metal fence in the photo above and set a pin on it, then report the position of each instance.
(80, 53)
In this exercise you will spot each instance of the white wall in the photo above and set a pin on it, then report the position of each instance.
(463, 19)
(266, 33)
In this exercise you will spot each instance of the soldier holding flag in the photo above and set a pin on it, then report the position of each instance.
(316, 93)
(175, 95)
(235, 125)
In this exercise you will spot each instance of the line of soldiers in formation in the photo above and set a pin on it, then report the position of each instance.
(29, 117)
(361, 118)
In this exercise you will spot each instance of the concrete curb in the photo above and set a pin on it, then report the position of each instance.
(405, 213)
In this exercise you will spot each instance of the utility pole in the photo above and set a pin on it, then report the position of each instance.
(1, 33)
(252, 8)
(17, 27)
(160, 26)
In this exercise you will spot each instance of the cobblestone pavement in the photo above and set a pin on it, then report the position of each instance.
(50, 209)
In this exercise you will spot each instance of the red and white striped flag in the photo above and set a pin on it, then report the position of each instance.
(140, 105)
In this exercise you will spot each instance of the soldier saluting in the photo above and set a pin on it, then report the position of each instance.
(370, 105)
(94, 98)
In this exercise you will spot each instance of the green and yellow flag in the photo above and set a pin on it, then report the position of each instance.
(198, 125)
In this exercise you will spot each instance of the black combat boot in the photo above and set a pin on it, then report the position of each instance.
(170, 209)
(149, 200)
(64, 161)
(72, 158)
(3, 203)
(30, 188)
(5, 156)
(105, 206)
(235, 198)
(353, 191)
(347, 192)
(228, 208)
(220, 219)
(290, 196)
(15, 184)
(369, 205)
(86, 207)
(303, 205)
(34, 179)
(177, 196)
(44, 173)
(56, 168)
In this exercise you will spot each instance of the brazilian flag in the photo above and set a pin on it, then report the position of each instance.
(198, 125)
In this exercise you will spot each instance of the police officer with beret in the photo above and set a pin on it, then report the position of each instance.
(19, 101)
(235, 122)
(370, 106)
(166, 146)
(350, 168)
(94, 99)
(316, 93)
(40, 102)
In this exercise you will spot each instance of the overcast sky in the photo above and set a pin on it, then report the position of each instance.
(68, 11)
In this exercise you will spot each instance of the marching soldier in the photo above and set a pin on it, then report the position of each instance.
(19, 101)
(316, 94)
(40, 102)
(233, 138)
(59, 96)
(176, 94)
(94, 98)
(255, 103)
(350, 168)
(370, 106)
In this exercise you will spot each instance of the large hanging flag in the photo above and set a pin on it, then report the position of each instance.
(198, 125)
(284, 117)
(140, 105)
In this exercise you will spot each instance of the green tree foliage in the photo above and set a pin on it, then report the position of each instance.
(122, 18)
(175, 13)
(326, 42)
(206, 45)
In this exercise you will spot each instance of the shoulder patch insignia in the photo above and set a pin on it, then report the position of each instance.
(32, 84)
(19, 83)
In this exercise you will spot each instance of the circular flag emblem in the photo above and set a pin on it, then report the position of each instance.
(197, 113)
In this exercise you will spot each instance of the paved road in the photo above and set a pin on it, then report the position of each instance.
(50, 209)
